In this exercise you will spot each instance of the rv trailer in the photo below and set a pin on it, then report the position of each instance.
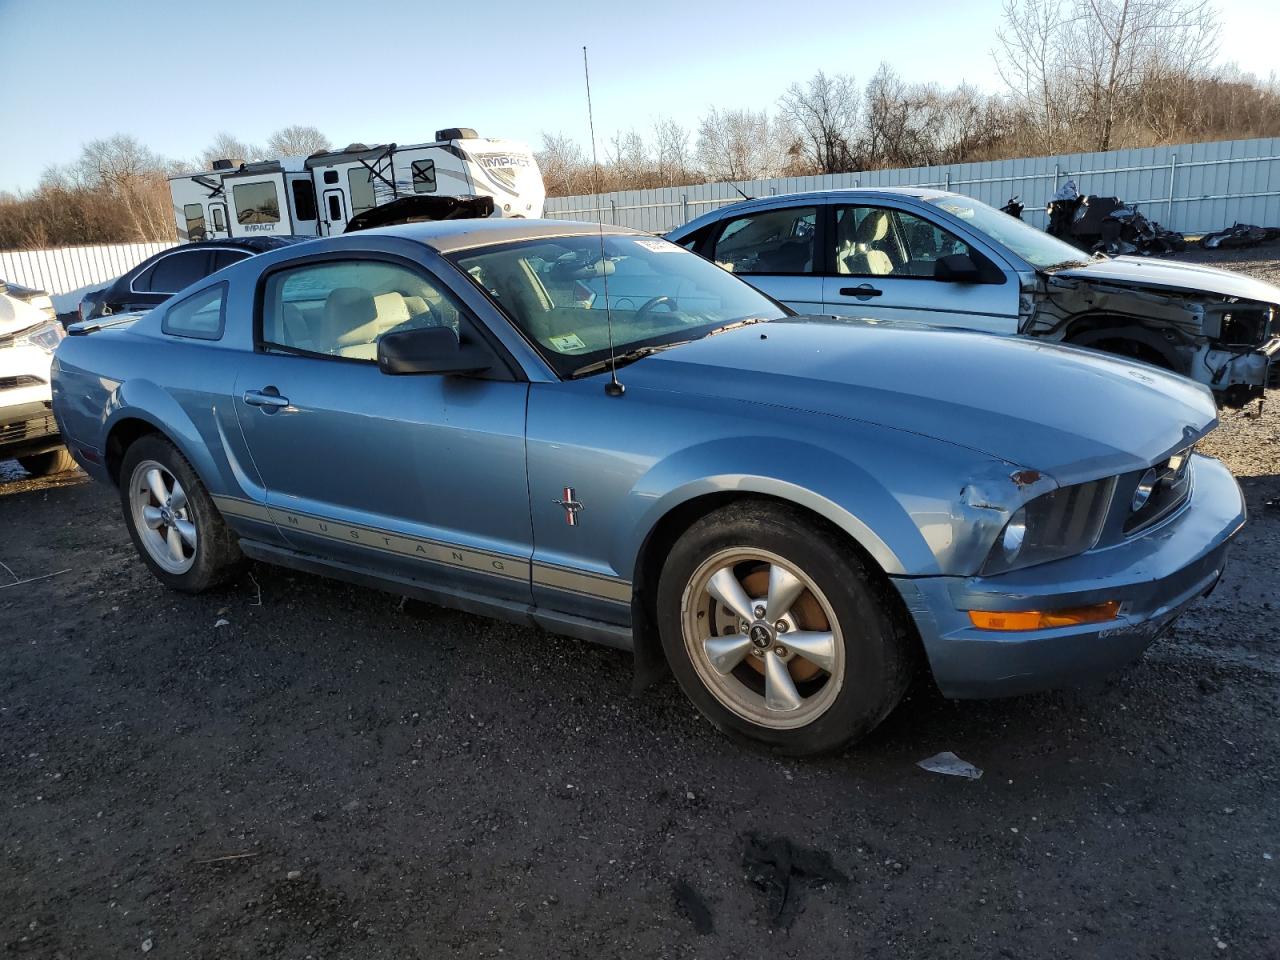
(320, 194)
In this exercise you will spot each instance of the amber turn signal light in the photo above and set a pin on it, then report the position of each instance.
(1044, 619)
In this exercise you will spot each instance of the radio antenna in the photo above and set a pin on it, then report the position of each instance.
(613, 388)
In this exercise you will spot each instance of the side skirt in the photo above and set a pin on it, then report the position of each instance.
(595, 631)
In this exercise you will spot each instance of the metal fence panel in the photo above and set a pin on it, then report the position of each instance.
(1190, 187)
(64, 270)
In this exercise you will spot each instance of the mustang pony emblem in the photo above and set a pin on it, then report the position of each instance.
(571, 506)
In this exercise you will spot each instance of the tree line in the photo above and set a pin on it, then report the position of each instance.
(117, 190)
(1079, 75)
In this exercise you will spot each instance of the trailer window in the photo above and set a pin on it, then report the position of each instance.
(195, 221)
(424, 176)
(304, 200)
(219, 219)
(361, 185)
(256, 203)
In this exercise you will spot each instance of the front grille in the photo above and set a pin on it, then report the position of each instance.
(28, 429)
(1170, 492)
(22, 380)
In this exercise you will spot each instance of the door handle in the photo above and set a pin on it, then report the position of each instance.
(268, 397)
(863, 291)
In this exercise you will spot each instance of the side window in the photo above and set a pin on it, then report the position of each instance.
(773, 241)
(335, 206)
(879, 242)
(696, 241)
(201, 315)
(361, 184)
(424, 176)
(341, 308)
(225, 258)
(219, 219)
(304, 199)
(178, 270)
(256, 202)
(194, 214)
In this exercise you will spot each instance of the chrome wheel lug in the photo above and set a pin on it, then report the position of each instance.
(759, 611)
(780, 651)
(780, 626)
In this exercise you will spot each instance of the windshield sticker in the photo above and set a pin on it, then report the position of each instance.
(659, 246)
(568, 343)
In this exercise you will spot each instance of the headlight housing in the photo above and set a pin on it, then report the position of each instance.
(1060, 523)
(46, 336)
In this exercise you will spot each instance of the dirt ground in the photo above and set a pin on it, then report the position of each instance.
(334, 774)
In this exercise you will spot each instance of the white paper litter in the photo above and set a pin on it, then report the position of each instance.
(952, 766)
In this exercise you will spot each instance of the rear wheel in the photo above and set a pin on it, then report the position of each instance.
(45, 464)
(778, 633)
(175, 527)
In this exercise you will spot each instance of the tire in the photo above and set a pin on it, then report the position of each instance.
(49, 463)
(845, 684)
(176, 530)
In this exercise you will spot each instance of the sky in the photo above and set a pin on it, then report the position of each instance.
(173, 73)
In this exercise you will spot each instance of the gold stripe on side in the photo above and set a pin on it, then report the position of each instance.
(576, 581)
(594, 585)
(242, 508)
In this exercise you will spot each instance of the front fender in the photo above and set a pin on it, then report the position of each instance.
(809, 476)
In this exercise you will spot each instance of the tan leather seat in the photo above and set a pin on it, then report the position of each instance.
(867, 256)
(293, 331)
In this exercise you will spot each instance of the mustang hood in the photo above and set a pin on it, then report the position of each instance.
(1071, 413)
(1169, 275)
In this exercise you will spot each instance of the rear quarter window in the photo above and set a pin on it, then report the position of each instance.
(201, 316)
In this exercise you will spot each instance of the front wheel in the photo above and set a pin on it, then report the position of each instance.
(778, 632)
(175, 527)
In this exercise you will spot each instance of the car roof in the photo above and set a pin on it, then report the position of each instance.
(449, 236)
(818, 196)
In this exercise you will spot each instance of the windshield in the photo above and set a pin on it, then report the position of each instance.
(659, 293)
(1036, 247)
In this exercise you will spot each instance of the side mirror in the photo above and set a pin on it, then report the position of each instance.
(956, 268)
(429, 350)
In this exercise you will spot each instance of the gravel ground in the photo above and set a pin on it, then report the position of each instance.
(332, 773)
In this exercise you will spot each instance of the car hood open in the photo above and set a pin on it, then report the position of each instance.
(1158, 274)
(1072, 413)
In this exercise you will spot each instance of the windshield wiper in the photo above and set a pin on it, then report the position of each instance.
(622, 359)
(746, 322)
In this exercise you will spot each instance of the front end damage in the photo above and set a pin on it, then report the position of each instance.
(1227, 343)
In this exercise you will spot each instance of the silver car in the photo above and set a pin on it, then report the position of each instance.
(944, 259)
(786, 512)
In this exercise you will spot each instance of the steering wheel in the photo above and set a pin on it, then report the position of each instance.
(653, 303)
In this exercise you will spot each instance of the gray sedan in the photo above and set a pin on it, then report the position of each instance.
(787, 512)
(940, 258)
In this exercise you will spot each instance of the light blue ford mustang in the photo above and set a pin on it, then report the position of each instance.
(786, 511)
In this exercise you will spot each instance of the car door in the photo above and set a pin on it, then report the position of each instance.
(882, 264)
(775, 250)
(419, 477)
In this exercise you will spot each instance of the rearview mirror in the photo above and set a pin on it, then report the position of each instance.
(429, 350)
(956, 268)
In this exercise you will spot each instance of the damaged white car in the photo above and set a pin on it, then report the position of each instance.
(944, 259)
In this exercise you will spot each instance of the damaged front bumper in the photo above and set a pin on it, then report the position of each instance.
(1154, 576)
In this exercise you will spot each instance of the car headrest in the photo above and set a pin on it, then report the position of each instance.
(348, 307)
(874, 227)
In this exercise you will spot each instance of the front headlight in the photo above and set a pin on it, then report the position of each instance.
(46, 336)
(1057, 524)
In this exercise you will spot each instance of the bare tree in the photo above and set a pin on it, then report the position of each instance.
(226, 147)
(1029, 57)
(565, 169)
(739, 145)
(671, 149)
(825, 113)
(297, 141)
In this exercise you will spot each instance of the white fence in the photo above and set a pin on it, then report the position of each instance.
(1193, 188)
(69, 270)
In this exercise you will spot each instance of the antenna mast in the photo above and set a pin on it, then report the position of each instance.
(613, 388)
